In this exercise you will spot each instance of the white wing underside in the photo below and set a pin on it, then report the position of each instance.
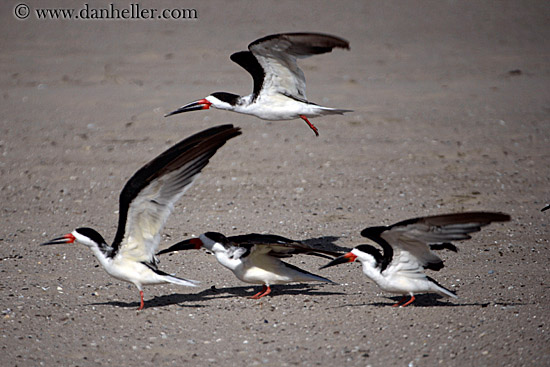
(410, 246)
(411, 243)
(149, 212)
(282, 74)
(406, 264)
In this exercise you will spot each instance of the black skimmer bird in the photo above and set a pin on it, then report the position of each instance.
(407, 250)
(545, 208)
(279, 91)
(146, 201)
(256, 258)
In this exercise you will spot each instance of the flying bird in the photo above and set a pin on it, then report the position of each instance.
(256, 258)
(145, 204)
(279, 91)
(407, 251)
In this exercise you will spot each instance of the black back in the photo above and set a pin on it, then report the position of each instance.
(230, 98)
(217, 237)
(249, 62)
(97, 238)
(254, 238)
(374, 233)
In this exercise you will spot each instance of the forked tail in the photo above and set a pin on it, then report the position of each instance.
(333, 111)
(180, 281)
(441, 289)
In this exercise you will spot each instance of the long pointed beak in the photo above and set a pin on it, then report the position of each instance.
(68, 238)
(201, 104)
(347, 258)
(191, 244)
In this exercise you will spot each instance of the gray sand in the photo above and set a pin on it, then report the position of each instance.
(451, 103)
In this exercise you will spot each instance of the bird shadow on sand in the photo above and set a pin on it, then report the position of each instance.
(430, 300)
(160, 301)
(277, 290)
(194, 299)
(325, 243)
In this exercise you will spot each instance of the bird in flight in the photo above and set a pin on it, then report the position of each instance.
(279, 91)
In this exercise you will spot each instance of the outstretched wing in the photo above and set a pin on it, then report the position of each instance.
(149, 196)
(276, 246)
(410, 240)
(272, 61)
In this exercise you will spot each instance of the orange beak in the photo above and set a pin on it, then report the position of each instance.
(201, 104)
(68, 238)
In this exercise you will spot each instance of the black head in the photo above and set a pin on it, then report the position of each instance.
(373, 251)
(90, 237)
(86, 236)
(230, 98)
(217, 237)
(92, 234)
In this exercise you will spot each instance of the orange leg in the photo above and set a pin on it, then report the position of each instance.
(141, 297)
(268, 290)
(264, 292)
(408, 302)
(312, 127)
(257, 295)
(400, 301)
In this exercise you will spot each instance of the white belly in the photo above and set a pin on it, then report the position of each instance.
(278, 107)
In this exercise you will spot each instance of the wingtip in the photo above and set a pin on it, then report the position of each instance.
(318, 43)
(498, 217)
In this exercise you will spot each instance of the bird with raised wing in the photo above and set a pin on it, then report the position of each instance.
(279, 91)
(407, 251)
(256, 258)
(145, 204)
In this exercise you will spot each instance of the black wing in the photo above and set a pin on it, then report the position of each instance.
(148, 197)
(416, 235)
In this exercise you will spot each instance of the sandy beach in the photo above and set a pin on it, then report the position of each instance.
(451, 102)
